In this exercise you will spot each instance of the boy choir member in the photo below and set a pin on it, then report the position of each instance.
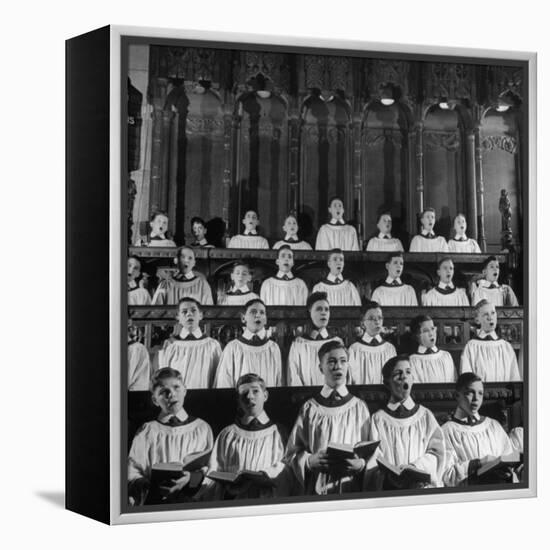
(460, 243)
(137, 296)
(488, 288)
(240, 292)
(198, 228)
(369, 353)
(337, 233)
(139, 363)
(384, 242)
(290, 228)
(487, 355)
(158, 235)
(445, 294)
(250, 237)
(284, 289)
(427, 240)
(392, 292)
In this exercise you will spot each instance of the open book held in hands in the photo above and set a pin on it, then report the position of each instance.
(343, 451)
(166, 471)
(235, 478)
(501, 463)
(407, 476)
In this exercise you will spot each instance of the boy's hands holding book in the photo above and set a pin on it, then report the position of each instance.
(172, 487)
(321, 461)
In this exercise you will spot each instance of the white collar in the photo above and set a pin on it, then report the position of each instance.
(340, 390)
(462, 237)
(461, 415)
(189, 275)
(197, 333)
(251, 232)
(291, 238)
(244, 287)
(202, 242)
(262, 418)
(262, 334)
(483, 334)
(153, 235)
(281, 274)
(181, 415)
(423, 349)
(443, 286)
(132, 285)
(409, 404)
(334, 221)
(425, 232)
(486, 284)
(390, 280)
(323, 332)
(368, 339)
(383, 235)
(332, 278)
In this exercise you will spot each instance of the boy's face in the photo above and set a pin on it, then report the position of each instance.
(189, 315)
(460, 225)
(199, 231)
(400, 382)
(428, 220)
(252, 398)
(134, 269)
(186, 260)
(336, 209)
(492, 271)
(446, 271)
(169, 395)
(470, 399)
(336, 263)
(487, 318)
(395, 267)
(240, 275)
(159, 225)
(291, 226)
(427, 335)
(384, 224)
(373, 321)
(285, 260)
(334, 366)
(320, 314)
(251, 220)
(255, 317)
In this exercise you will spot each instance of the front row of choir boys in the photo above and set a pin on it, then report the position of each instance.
(409, 436)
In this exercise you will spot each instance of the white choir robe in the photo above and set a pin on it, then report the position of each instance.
(303, 361)
(318, 425)
(436, 297)
(248, 241)
(238, 448)
(242, 357)
(465, 443)
(236, 299)
(501, 296)
(171, 291)
(469, 246)
(339, 294)
(433, 368)
(139, 367)
(516, 439)
(279, 292)
(420, 243)
(366, 361)
(139, 297)
(294, 245)
(403, 295)
(376, 244)
(196, 360)
(491, 360)
(332, 236)
(416, 440)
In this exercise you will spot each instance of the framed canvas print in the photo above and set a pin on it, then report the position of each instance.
(306, 268)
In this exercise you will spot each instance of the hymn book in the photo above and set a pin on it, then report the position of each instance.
(343, 451)
(235, 478)
(406, 476)
(500, 464)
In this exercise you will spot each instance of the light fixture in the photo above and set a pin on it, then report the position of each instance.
(387, 101)
(447, 104)
(264, 94)
(505, 101)
(387, 96)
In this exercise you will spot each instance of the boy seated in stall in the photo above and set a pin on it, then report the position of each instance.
(340, 291)
(191, 352)
(253, 444)
(488, 288)
(158, 236)
(240, 291)
(173, 437)
(369, 353)
(198, 228)
(184, 282)
(249, 238)
(139, 362)
(392, 292)
(137, 295)
(284, 289)
(291, 228)
(337, 233)
(427, 240)
(384, 242)
(429, 365)
(411, 441)
(445, 294)
(487, 355)
(331, 416)
(460, 243)
(303, 357)
(253, 351)
(473, 440)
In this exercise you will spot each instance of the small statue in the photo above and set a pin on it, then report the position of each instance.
(505, 209)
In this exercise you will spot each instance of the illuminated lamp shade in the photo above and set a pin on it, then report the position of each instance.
(387, 95)
(504, 102)
(264, 94)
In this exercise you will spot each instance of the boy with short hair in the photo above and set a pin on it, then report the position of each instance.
(337, 233)
(284, 289)
(303, 359)
(427, 240)
(460, 243)
(471, 440)
(369, 353)
(384, 242)
(445, 294)
(137, 295)
(488, 288)
(340, 291)
(250, 237)
(184, 282)
(331, 416)
(158, 236)
(240, 292)
(139, 362)
(429, 365)
(490, 357)
(191, 352)
(198, 228)
(172, 437)
(251, 352)
(290, 228)
(392, 292)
